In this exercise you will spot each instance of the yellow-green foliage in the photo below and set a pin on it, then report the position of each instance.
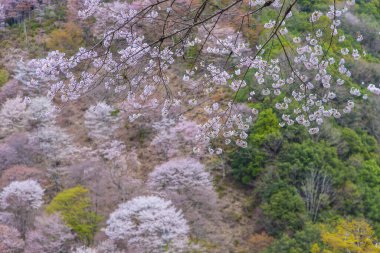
(354, 236)
(266, 125)
(67, 39)
(74, 205)
(4, 76)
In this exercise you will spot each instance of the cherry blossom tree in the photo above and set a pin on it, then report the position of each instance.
(183, 179)
(22, 198)
(108, 246)
(10, 241)
(119, 163)
(12, 116)
(22, 114)
(140, 65)
(50, 235)
(17, 149)
(172, 137)
(2, 14)
(9, 90)
(101, 122)
(7, 218)
(40, 112)
(186, 183)
(84, 249)
(149, 224)
(8, 156)
(19, 173)
(55, 143)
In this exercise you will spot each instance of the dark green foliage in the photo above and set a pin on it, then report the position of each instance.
(300, 243)
(298, 159)
(369, 7)
(285, 210)
(264, 142)
(312, 5)
(277, 163)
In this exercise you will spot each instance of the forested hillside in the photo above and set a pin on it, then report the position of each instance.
(189, 126)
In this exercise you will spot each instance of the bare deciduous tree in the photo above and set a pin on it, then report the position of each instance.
(317, 192)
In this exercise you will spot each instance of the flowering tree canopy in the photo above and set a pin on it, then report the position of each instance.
(10, 240)
(50, 235)
(180, 175)
(22, 199)
(40, 111)
(173, 137)
(300, 71)
(149, 224)
(20, 114)
(12, 115)
(55, 143)
(84, 249)
(22, 194)
(100, 121)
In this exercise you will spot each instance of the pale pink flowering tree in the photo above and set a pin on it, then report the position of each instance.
(50, 235)
(174, 139)
(12, 116)
(2, 15)
(183, 180)
(10, 240)
(40, 112)
(147, 38)
(19, 114)
(22, 199)
(119, 165)
(148, 224)
(108, 246)
(84, 249)
(17, 149)
(8, 157)
(55, 143)
(101, 122)
(6, 218)
(189, 186)
(372, 88)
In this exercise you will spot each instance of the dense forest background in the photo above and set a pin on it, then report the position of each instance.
(288, 191)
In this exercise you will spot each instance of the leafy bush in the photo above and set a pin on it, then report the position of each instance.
(296, 160)
(301, 241)
(4, 76)
(74, 205)
(285, 210)
(264, 141)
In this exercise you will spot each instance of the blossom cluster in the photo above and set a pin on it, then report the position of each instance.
(140, 65)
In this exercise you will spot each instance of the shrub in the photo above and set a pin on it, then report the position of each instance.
(285, 209)
(74, 205)
(4, 76)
